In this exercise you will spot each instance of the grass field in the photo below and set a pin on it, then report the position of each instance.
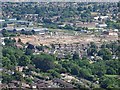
(112, 75)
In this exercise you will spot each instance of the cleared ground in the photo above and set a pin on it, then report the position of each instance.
(64, 39)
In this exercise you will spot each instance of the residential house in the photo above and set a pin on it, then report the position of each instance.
(110, 33)
(101, 17)
(18, 45)
(101, 25)
(19, 68)
(33, 86)
(62, 83)
(86, 24)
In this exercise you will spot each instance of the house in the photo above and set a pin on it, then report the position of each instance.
(62, 25)
(24, 85)
(55, 18)
(62, 83)
(18, 45)
(68, 78)
(11, 85)
(22, 22)
(42, 84)
(86, 24)
(68, 23)
(31, 24)
(19, 68)
(104, 17)
(12, 19)
(113, 33)
(1, 20)
(31, 14)
(15, 82)
(3, 43)
(41, 31)
(60, 56)
(102, 25)
(101, 17)
(11, 25)
(33, 86)
(116, 30)
(12, 29)
(3, 86)
(10, 72)
(110, 33)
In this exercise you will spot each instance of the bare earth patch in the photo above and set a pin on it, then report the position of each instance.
(63, 39)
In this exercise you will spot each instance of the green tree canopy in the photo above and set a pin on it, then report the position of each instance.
(24, 60)
(43, 61)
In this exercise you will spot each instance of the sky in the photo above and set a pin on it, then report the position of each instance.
(59, 0)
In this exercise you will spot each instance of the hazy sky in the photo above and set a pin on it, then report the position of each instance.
(60, 0)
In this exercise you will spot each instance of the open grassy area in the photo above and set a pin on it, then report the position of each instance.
(112, 75)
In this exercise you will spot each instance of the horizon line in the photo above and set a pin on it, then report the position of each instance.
(60, 1)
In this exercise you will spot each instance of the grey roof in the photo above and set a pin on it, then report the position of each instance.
(65, 84)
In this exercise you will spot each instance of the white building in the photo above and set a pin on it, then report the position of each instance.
(113, 34)
(101, 17)
(102, 25)
(1, 20)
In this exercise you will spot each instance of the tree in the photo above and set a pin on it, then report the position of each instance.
(29, 80)
(110, 71)
(75, 69)
(93, 45)
(40, 48)
(91, 51)
(84, 73)
(6, 78)
(90, 8)
(18, 76)
(79, 29)
(33, 31)
(112, 66)
(22, 31)
(54, 74)
(19, 40)
(4, 25)
(43, 61)
(67, 65)
(84, 63)
(14, 30)
(69, 27)
(68, 56)
(108, 82)
(6, 62)
(76, 56)
(13, 60)
(5, 33)
(53, 46)
(7, 51)
(118, 6)
(30, 46)
(80, 9)
(28, 52)
(63, 70)
(9, 42)
(105, 53)
(24, 60)
(99, 68)
(47, 20)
